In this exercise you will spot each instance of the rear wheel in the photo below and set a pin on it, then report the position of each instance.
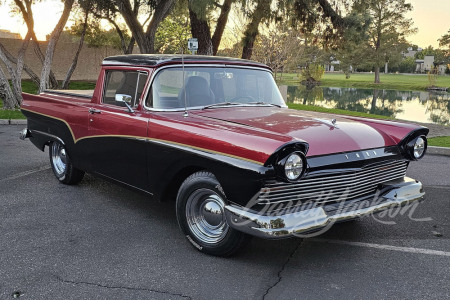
(62, 166)
(201, 216)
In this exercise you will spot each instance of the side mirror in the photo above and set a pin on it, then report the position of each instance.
(126, 99)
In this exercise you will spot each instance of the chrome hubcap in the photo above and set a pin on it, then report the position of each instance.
(205, 216)
(59, 158)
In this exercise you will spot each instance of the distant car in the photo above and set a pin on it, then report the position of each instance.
(215, 134)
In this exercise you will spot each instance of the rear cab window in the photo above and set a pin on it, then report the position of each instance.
(123, 82)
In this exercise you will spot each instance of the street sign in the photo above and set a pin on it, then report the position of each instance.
(193, 44)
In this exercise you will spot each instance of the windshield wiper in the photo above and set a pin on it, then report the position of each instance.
(221, 104)
(265, 103)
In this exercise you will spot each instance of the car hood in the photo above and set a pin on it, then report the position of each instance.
(317, 129)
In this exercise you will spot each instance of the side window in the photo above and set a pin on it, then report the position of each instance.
(129, 83)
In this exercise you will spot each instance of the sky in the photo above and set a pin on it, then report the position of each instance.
(431, 17)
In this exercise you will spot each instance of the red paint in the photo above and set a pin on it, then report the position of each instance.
(252, 133)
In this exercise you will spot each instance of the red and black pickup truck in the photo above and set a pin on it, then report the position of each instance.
(215, 134)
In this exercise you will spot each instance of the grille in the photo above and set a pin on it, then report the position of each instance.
(334, 187)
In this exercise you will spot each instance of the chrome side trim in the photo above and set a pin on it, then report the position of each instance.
(273, 226)
(48, 135)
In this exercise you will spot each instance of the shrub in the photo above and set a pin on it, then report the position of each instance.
(312, 73)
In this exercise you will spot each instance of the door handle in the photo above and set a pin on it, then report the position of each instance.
(94, 111)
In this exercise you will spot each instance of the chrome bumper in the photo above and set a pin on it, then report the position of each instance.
(317, 219)
(24, 134)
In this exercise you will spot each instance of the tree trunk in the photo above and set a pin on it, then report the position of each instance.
(161, 11)
(65, 83)
(130, 47)
(251, 32)
(220, 26)
(9, 102)
(27, 69)
(16, 90)
(133, 24)
(200, 30)
(377, 74)
(19, 66)
(27, 14)
(52, 45)
(374, 102)
(145, 40)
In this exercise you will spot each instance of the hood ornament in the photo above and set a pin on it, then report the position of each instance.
(331, 124)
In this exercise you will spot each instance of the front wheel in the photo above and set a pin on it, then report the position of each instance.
(62, 166)
(201, 216)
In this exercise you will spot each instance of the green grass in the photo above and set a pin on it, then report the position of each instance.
(336, 111)
(30, 87)
(440, 141)
(388, 81)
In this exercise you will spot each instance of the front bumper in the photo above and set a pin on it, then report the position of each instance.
(302, 222)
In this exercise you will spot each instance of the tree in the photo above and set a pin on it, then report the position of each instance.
(261, 13)
(439, 55)
(86, 8)
(444, 41)
(13, 95)
(199, 15)
(157, 10)
(387, 31)
(24, 8)
(172, 34)
(279, 47)
(50, 51)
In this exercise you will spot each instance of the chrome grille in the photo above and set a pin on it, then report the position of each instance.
(334, 187)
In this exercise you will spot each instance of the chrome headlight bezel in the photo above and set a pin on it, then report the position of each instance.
(416, 147)
(296, 157)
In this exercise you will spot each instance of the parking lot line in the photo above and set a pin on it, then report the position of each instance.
(26, 173)
(384, 247)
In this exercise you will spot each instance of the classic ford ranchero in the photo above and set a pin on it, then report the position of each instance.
(215, 134)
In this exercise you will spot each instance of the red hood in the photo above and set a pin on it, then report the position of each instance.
(314, 128)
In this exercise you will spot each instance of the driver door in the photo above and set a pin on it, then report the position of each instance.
(117, 135)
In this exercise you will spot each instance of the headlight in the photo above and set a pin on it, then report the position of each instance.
(294, 166)
(417, 147)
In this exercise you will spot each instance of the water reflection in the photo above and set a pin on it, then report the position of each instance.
(425, 107)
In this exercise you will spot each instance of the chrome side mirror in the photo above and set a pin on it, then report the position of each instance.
(126, 99)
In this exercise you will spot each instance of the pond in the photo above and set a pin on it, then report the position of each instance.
(424, 107)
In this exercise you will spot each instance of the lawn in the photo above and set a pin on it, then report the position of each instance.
(365, 80)
(440, 141)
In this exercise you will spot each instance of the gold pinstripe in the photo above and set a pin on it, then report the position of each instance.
(144, 138)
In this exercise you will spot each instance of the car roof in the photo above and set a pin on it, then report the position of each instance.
(155, 60)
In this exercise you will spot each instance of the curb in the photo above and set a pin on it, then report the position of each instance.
(13, 122)
(438, 150)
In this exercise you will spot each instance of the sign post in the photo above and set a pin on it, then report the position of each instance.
(193, 45)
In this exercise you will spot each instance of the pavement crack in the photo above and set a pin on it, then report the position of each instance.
(120, 287)
(279, 277)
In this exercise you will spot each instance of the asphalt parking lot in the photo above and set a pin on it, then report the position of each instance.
(101, 241)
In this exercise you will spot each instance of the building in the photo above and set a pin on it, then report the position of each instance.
(427, 64)
(6, 34)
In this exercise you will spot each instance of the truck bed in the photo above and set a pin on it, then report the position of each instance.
(74, 93)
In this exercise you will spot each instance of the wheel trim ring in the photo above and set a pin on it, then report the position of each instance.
(59, 158)
(200, 228)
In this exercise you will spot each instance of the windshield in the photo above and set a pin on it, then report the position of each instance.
(206, 86)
